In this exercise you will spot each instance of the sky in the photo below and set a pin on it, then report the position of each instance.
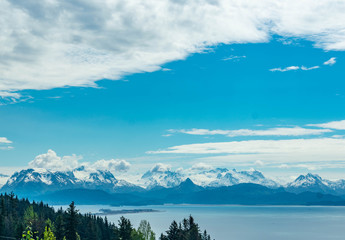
(127, 85)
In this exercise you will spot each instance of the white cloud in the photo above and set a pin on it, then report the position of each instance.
(311, 167)
(259, 163)
(4, 144)
(338, 136)
(339, 125)
(234, 58)
(12, 95)
(291, 68)
(51, 161)
(330, 62)
(167, 135)
(5, 140)
(8, 97)
(283, 166)
(293, 150)
(303, 68)
(309, 68)
(116, 165)
(48, 43)
(161, 167)
(284, 131)
(201, 166)
(6, 147)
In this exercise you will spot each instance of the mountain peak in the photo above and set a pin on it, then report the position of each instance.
(310, 182)
(166, 178)
(189, 186)
(309, 177)
(187, 182)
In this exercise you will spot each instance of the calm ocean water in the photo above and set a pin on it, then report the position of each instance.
(244, 222)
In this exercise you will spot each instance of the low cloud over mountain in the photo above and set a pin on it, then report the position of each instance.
(53, 162)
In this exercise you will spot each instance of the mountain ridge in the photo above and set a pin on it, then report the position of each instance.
(36, 182)
(242, 194)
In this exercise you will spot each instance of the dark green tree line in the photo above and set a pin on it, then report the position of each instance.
(186, 230)
(22, 219)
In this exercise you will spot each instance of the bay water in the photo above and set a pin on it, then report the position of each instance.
(232, 222)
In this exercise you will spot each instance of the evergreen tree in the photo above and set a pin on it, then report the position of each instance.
(71, 222)
(173, 232)
(193, 231)
(2, 216)
(187, 230)
(44, 223)
(107, 233)
(3, 206)
(163, 237)
(205, 236)
(59, 227)
(92, 230)
(125, 229)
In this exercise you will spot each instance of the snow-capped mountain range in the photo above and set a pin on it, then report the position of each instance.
(207, 178)
(314, 183)
(223, 177)
(39, 181)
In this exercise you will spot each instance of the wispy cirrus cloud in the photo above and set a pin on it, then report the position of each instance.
(330, 62)
(44, 40)
(312, 150)
(291, 68)
(311, 167)
(9, 97)
(323, 146)
(234, 58)
(4, 140)
(294, 68)
(281, 131)
(5, 143)
(338, 125)
(6, 147)
(309, 68)
(311, 154)
(292, 154)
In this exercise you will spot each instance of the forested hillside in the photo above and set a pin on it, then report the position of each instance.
(22, 219)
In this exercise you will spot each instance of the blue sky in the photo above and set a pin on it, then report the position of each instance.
(125, 119)
(152, 109)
